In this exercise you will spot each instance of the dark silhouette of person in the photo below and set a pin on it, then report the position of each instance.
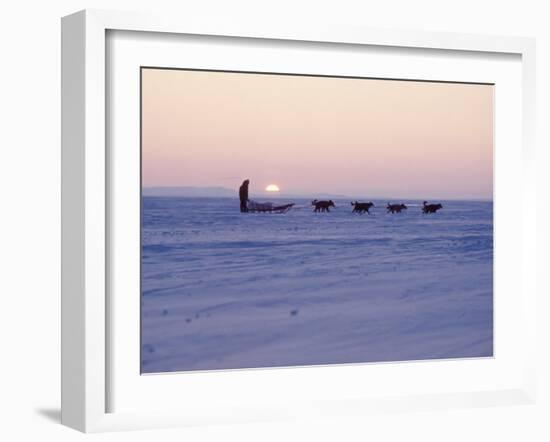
(243, 195)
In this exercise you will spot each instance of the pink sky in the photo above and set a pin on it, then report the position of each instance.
(311, 135)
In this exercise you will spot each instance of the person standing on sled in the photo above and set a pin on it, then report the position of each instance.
(243, 195)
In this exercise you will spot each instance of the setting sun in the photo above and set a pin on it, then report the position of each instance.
(272, 188)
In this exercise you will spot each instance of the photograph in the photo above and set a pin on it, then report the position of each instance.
(293, 220)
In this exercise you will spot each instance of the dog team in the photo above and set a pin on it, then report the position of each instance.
(324, 206)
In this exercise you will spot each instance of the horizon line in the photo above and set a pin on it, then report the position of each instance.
(280, 193)
(328, 195)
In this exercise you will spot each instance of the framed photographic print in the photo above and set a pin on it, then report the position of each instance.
(261, 223)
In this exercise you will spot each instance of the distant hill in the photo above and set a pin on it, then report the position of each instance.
(221, 192)
(192, 191)
(189, 191)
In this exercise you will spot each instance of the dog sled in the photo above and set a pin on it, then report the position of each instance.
(256, 207)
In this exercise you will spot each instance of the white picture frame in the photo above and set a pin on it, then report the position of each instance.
(87, 204)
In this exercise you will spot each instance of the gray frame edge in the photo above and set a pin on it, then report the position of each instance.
(83, 386)
(73, 80)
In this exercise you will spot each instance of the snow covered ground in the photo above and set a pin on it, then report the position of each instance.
(221, 289)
